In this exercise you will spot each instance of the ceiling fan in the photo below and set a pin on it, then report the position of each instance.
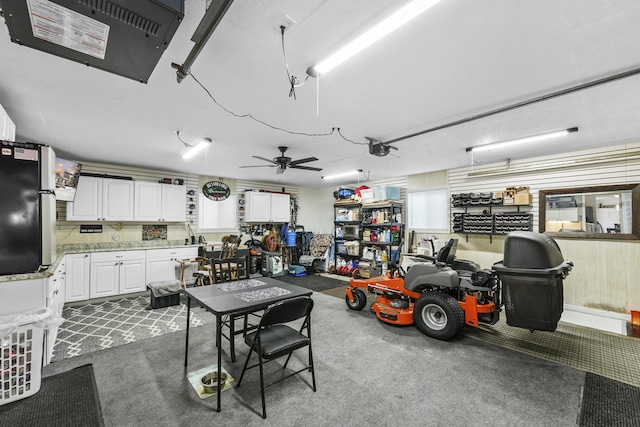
(282, 162)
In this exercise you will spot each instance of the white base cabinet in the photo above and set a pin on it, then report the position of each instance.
(55, 301)
(77, 277)
(114, 273)
(162, 264)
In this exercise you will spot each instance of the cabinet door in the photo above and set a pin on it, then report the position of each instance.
(77, 277)
(280, 207)
(132, 276)
(161, 269)
(87, 205)
(55, 301)
(174, 203)
(148, 202)
(117, 200)
(104, 279)
(257, 206)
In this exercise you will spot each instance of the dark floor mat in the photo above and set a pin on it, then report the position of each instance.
(610, 403)
(67, 399)
(314, 282)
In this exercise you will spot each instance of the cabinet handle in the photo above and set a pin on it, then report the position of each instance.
(86, 255)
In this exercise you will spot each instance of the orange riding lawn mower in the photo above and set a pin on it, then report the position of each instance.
(442, 294)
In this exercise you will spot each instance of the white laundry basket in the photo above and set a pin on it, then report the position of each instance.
(21, 350)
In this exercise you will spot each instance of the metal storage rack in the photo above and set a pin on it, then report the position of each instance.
(383, 227)
(347, 232)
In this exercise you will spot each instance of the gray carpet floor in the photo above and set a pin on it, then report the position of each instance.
(368, 373)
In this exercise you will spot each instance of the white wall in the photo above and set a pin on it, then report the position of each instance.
(316, 212)
(7, 127)
(605, 275)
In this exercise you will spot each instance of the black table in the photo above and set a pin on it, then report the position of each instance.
(238, 297)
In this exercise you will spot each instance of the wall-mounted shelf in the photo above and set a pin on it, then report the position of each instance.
(487, 222)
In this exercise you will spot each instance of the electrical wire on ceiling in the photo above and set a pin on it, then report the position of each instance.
(348, 140)
(293, 80)
(249, 116)
(182, 140)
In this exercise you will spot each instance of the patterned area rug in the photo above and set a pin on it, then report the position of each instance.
(109, 324)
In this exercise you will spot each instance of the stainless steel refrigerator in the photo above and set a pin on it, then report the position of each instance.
(27, 207)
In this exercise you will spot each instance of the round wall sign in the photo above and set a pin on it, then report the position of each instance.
(216, 190)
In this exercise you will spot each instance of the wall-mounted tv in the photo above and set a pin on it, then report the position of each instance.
(67, 174)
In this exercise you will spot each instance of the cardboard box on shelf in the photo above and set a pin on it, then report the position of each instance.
(523, 199)
(521, 190)
(508, 200)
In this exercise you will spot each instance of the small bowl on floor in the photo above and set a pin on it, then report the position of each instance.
(210, 381)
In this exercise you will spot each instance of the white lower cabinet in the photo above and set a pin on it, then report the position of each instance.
(55, 301)
(77, 277)
(114, 273)
(162, 264)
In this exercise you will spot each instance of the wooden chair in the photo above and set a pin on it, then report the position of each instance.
(228, 270)
(203, 274)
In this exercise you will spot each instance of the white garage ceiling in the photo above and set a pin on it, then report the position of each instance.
(460, 59)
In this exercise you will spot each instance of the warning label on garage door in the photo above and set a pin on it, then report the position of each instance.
(68, 28)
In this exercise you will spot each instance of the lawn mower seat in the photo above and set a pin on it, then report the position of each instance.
(447, 255)
(448, 252)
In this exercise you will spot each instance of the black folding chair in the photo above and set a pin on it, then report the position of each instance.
(274, 339)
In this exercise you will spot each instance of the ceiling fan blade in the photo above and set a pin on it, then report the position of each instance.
(309, 168)
(259, 166)
(305, 160)
(265, 159)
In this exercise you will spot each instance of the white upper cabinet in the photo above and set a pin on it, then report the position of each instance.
(102, 199)
(174, 203)
(160, 202)
(280, 207)
(266, 207)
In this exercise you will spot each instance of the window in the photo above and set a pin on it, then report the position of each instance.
(603, 212)
(428, 210)
(217, 215)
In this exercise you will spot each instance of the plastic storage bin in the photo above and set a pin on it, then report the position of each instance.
(21, 349)
(532, 274)
(368, 195)
(386, 193)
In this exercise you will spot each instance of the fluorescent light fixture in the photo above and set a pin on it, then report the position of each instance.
(399, 18)
(197, 148)
(539, 137)
(343, 174)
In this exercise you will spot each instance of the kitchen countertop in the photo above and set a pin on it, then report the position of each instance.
(75, 248)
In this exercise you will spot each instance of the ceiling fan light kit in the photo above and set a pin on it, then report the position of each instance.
(524, 140)
(283, 162)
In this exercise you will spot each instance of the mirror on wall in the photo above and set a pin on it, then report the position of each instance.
(603, 212)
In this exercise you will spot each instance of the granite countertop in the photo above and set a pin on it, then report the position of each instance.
(121, 246)
(75, 248)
